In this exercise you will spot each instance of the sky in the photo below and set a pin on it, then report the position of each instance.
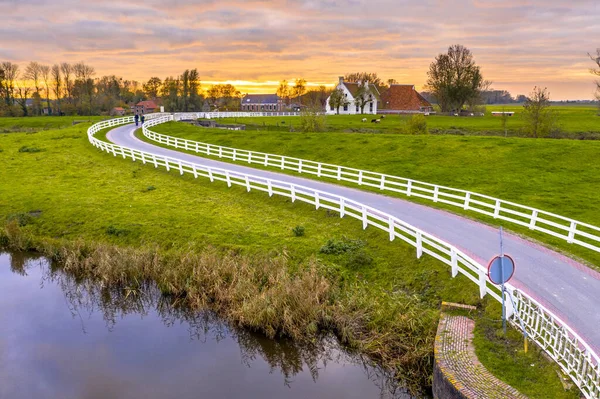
(518, 44)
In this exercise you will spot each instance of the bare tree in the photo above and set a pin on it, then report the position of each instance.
(56, 85)
(67, 72)
(284, 91)
(596, 59)
(22, 93)
(33, 74)
(539, 119)
(85, 83)
(299, 89)
(45, 74)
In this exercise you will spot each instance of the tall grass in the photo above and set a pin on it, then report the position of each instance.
(268, 294)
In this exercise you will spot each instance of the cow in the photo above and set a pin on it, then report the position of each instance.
(382, 116)
(375, 120)
(364, 119)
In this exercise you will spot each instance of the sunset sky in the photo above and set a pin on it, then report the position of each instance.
(518, 44)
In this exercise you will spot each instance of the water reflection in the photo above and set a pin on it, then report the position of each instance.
(79, 339)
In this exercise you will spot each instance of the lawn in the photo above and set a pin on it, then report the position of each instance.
(66, 192)
(37, 123)
(559, 176)
(574, 121)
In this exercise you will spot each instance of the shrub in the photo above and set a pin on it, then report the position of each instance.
(359, 259)
(417, 124)
(336, 247)
(312, 120)
(30, 149)
(22, 219)
(298, 231)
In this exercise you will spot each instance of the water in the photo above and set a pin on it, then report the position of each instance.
(62, 338)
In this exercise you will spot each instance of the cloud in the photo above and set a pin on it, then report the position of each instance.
(516, 42)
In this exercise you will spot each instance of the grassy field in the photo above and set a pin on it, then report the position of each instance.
(117, 220)
(37, 123)
(559, 176)
(574, 121)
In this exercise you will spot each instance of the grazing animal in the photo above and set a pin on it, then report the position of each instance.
(283, 122)
(364, 119)
(373, 120)
(382, 116)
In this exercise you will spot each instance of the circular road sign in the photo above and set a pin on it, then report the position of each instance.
(501, 269)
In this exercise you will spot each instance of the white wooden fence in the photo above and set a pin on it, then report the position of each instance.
(567, 348)
(573, 231)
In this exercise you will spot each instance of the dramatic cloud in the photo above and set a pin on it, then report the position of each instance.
(518, 43)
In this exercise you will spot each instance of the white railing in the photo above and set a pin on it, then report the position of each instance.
(573, 231)
(570, 351)
(217, 115)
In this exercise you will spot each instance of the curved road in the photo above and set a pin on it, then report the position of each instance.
(566, 287)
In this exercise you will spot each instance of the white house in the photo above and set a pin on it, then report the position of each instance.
(352, 104)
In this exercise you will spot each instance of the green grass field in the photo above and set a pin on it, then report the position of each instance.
(37, 123)
(575, 121)
(558, 176)
(68, 191)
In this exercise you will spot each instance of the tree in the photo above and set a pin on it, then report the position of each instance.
(33, 73)
(56, 85)
(152, 87)
(539, 119)
(224, 96)
(84, 85)
(283, 91)
(45, 73)
(455, 79)
(392, 82)
(370, 77)
(317, 97)
(23, 93)
(67, 72)
(417, 124)
(596, 59)
(337, 99)
(11, 73)
(362, 96)
(299, 89)
(170, 93)
(312, 119)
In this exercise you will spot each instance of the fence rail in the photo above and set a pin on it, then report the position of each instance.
(570, 230)
(569, 350)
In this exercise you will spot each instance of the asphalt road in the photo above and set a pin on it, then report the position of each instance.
(568, 288)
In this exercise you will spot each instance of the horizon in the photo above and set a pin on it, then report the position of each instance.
(255, 44)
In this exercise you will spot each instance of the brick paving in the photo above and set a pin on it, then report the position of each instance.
(456, 359)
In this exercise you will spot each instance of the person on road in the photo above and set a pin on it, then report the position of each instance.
(143, 119)
(136, 118)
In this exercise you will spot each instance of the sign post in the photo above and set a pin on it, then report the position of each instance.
(500, 271)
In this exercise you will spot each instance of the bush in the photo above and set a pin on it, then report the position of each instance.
(22, 219)
(298, 231)
(336, 247)
(359, 259)
(417, 124)
(115, 231)
(312, 120)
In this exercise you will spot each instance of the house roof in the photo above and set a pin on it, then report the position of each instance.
(403, 98)
(260, 99)
(148, 104)
(353, 89)
(118, 109)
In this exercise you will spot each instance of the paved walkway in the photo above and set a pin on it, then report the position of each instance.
(455, 357)
(569, 289)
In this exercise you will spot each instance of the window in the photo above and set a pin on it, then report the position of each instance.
(357, 110)
(370, 107)
(345, 107)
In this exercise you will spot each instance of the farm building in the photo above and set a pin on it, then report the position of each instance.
(355, 96)
(262, 103)
(145, 107)
(399, 99)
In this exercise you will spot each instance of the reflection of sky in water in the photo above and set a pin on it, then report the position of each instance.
(48, 351)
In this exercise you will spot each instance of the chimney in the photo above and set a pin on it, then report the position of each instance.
(341, 79)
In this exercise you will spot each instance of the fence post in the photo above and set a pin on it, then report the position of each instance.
(339, 175)
(234, 154)
(143, 159)
(360, 177)
(454, 262)
(342, 207)
(534, 215)
(467, 198)
(497, 209)
(208, 149)
(180, 168)
(155, 162)
(392, 229)
(572, 231)
(220, 152)
(167, 164)
(247, 183)
(364, 218)
(300, 166)
(228, 178)
(436, 191)
(195, 171)
(382, 185)
(210, 175)
(282, 162)
(408, 187)
(266, 159)
(319, 169)
(293, 192)
(419, 244)
(317, 200)
(482, 283)
(270, 188)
